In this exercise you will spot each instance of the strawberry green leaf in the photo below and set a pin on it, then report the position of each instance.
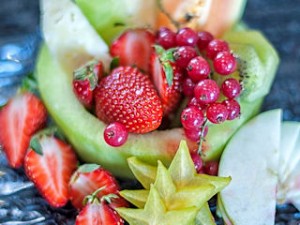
(36, 145)
(169, 72)
(86, 168)
(159, 50)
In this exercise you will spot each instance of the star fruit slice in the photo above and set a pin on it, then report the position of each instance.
(188, 190)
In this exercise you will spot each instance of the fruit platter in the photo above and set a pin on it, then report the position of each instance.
(149, 112)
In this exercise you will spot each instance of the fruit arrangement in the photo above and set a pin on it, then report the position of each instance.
(164, 98)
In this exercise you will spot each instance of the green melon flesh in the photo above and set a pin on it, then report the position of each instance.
(111, 17)
(85, 132)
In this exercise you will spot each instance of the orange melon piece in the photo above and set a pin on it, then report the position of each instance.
(214, 16)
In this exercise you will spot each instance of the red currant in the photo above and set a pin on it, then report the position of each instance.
(206, 91)
(115, 134)
(183, 55)
(166, 38)
(192, 118)
(198, 69)
(224, 63)
(194, 102)
(211, 168)
(188, 87)
(194, 135)
(186, 37)
(231, 88)
(233, 108)
(216, 113)
(216, 46)
(197, 162)
(203, 39)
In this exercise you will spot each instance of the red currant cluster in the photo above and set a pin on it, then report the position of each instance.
(199, 55)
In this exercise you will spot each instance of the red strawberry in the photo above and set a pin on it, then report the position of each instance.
(20, 119)
(51, 168)
(98, 212)
(134, 48)
(85, 81)
(168, 85)
(129, 97)
(87, 179)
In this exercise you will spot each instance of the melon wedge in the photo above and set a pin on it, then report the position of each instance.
(70, 37)
(251, 159)
(214, 16)
(85, 131)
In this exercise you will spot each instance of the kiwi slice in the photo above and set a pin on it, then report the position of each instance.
(258, 62)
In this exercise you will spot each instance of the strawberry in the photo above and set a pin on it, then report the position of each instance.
(98, 212)
(23, 115)
(85, 80)
(87, 179)
(167, 79)
(129, 97)
(50, 166)
(134, 48)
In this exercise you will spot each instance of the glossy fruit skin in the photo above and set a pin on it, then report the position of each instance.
(86, 181)
(192, 118)
(115, 134)
(231, 88)
(211, 168)
(186, 37)
(20, 118)
(224, 63)
(83, 92)
(129, 97)
(207, 91)
(98, 213)
(203, 39)
(188, 87)
(166, 38)
(51, 171)
(216, 113)
(170, 95)
(216, 46)
(233, 108)
(198, 69)
(183, 55)
(131, 45)
(197, 161)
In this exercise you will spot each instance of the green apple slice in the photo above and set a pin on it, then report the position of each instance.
(293, 160)
(288, 141)
(251, 159)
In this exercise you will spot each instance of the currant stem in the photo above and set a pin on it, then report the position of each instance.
(202, 137)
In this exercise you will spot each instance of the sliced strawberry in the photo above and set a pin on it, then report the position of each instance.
(90, 177)
(85, 80)
(134, 48)
(129, 97)
(20, 119)
(98, 213)
(51, 168)
(167, 79)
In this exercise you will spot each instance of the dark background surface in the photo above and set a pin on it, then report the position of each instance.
(279, 20)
